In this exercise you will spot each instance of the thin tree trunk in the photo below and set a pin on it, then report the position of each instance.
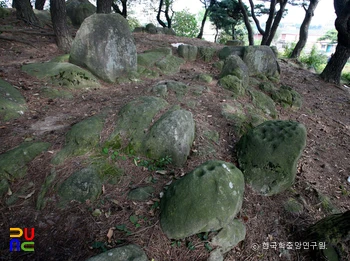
(247, 24)
(269, 23)
(261, 31)
(332, 72)
(159, 12)
(276, 22)
(59, 22)
(39, 4)
(304, 29)
(200, 35)
(104, 6)
(167, 17)
(24, 11)
(122, 12)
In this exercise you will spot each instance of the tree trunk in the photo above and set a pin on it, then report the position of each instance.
(39, 4)
(104, 6)
(261, 31)
(269, 21)
(167, 17)
(332, 72)
(122, 12)
(200, 35)
(304, 29)
(334, 67)
(276, 21)
(24, 11)
(59, 22)
(247, 24)
(158, 15)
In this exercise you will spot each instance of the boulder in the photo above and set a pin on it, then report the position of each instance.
(263, 102)
(141, 194)
(206, 53)
(234, 84)
(261, 60)
(82, 185)
(12, 103)
(268, 155)
(105, 46)
(287, 97)
(13, 162)
(78, 10)
(206, 199)
(82, 138)
(62, 74)
(44, 17)
(124, 253)
(188, 52)
(234, 43)
(172, 135)
(151, 28)
(231, 50)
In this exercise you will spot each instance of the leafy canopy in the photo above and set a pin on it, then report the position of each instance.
(185, 24)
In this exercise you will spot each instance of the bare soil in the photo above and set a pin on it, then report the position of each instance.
(75, 233)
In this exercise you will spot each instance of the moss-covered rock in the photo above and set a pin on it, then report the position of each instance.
(141, 194)
(203, 77)
(206, 53)
(82, 138)
(124, 253)
(268, 155)
(13, 162)
(82, 185)
(53, 93)
(287, 97)
(229, 236)
(188, 52)
(234, 84)
(231, 50)
(263, 102)
(235, 66)
(62, 74)
(12, 103)
(293, 206)
(78, 10)
(172, 135)
(206, 199)
(61, 59)
(134, 119)
(44, 17)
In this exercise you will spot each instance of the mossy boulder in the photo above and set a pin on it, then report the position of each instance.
(261, 60)
(229, 236)
(160, 60)
(62, 74)
(263, 102)
(268, 155)
(234, 84)
(293, 206)
(141, 194)
(12, 103)
(78, 10)
(44, 17)
(231, 50)
(287, 97)
(82, 185)
(53, 93)
(204, 200)
(81, 138)
(235, 66)
(172, 135)
(203, 77)
(134, 119)
(124, 253)
(206, 53)
(188, 52)
(61, 59)
(13, 162)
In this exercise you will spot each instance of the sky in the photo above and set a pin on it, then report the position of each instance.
(324, 13)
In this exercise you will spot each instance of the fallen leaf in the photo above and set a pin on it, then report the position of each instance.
(9, 192)
(103, 189)
(110, 234)
(115, 201)
(162, 172)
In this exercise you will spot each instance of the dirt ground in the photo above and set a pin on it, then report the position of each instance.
(75, 233)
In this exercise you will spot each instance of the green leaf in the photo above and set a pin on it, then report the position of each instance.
(121, 227)
(137, 225)
(133, 219)
(105, 150)
(208, 247)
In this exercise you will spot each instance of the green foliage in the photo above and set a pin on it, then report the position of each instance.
(288, 50)
(123, 228)
(134, 219)
(99, 245)
(346, 77)
(153, 164)
(315, 59)
(133, 23)
(331, 35)
(185, 24)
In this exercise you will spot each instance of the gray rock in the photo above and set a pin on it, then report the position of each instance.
(231, 50)
(104, 44)
(230, 236)
(206, 199)
(82, 185)
(151, 28)
(235, 66)
(188, 52)
(206, 53)
(261, 60)
(141, 194)
(125, 253)
(263, 102)
(233, 84)
(216, 255)
(172, 135)
(12, 103)
(268, 155)
(78, 10)
(234, 43)
(81, 138)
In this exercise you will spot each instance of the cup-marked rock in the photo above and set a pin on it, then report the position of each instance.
(105, 46)
(268, 155)
(204, 200)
